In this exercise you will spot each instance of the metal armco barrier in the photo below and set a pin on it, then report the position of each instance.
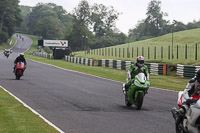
(41, 54)
(78, 60)
(186, 71)
(154, 68)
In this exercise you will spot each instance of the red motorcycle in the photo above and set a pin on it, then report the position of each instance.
(19, 70)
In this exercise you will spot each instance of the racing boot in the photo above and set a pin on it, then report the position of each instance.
(124, 89)
(178, 115)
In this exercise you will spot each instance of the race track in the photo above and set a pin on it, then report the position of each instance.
(81, 103)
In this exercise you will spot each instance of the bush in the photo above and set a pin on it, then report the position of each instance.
(3, 37)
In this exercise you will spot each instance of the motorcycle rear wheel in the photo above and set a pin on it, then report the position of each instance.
(139, 100)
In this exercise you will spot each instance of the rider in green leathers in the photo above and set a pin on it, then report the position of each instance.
(134, 69)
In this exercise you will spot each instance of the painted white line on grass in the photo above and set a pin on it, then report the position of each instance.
(97, 76)
(47, 121)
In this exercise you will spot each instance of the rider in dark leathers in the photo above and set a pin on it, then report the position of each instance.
(20, 58)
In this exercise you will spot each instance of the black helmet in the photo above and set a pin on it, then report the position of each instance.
(140, 61)
(198, 75)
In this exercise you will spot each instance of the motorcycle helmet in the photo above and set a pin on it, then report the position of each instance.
(140, 61)
(21, 54)
(198, 75)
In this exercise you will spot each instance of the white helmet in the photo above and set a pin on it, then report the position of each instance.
(21, 54)
(140, 61)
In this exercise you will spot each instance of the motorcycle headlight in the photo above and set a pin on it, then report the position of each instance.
(136, 84)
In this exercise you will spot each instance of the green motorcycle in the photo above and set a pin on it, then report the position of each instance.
(137, 91)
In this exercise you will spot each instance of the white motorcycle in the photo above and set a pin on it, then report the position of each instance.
(191, 121)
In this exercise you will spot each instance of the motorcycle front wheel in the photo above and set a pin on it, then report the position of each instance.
(139, 100)
(18, 75)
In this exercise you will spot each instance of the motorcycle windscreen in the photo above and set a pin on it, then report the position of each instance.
(141, 77)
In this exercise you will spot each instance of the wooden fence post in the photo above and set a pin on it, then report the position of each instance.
(123, 52)
(132, 52)
(169, 52)
(186, 51)
(115, 52)
(142, 51)
(177, 52)
(196, 51)
(128, 53)
(119, 52)
(112, 51)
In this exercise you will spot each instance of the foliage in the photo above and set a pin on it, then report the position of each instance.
(25, 10)
(49, 21)
(153, 25)
(103, 19)
(80, 31)
(9, 18)
(3, 36)
(94, 27)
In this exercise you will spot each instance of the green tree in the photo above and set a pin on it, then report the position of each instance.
(50, 28)
(153, 25)
(80, 31)
(50, 21)
(154, 21)
(9, 18)
(103, 19)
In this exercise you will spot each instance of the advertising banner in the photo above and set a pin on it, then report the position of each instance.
(56, 43)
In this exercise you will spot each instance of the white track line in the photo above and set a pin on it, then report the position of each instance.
(35, 112)
(97, 76)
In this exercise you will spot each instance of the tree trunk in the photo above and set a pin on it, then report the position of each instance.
(1, 25)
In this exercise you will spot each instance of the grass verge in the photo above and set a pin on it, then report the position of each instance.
(15, 118)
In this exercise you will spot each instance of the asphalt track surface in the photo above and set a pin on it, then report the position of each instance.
(81, 103)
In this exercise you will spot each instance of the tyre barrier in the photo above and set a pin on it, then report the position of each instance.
(154, 68)
(186, 71)
(78, 60)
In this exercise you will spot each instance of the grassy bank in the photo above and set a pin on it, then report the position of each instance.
(163, 45)
(15, 118)
(6, 45)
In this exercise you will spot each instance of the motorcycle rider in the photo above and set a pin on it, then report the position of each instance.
(191, 88)
(134, 69)
(20, 58)
(7, 51)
